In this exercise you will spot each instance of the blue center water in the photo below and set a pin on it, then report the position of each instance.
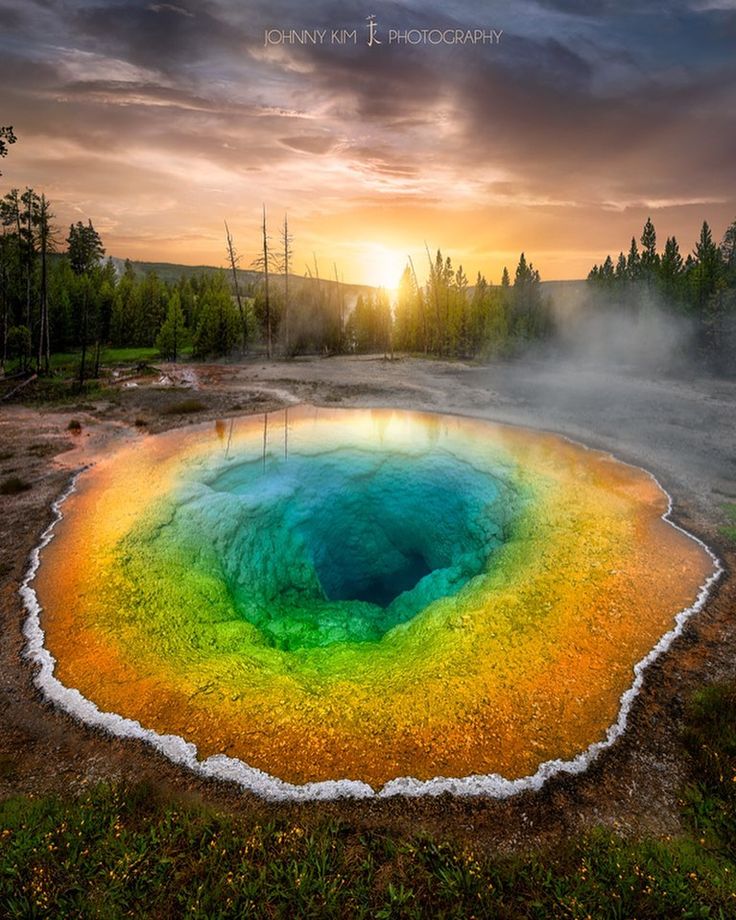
(345, 545)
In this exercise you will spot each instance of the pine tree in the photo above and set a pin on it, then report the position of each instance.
(528, 321)
(84, 253)
(7, 137)
(173, 332)
(649, 257)
(708, 266)
(728, 250)
(218, 329)
(671, 270)
(633, 262)
(85, 247)
(607, 272)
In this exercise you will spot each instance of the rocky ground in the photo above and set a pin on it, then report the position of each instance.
(684, 431)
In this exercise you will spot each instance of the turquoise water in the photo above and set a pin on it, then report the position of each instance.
(340, 546)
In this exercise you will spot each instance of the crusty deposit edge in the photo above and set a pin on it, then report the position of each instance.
(271, 787)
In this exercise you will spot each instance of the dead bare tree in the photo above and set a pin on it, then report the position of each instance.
(286, 256)
(263, 264)
(4, 282)
(46, 242)
(434, 279)
(420, 299)
(269, 343)
(31, 201)
(340, 309)
(234, 259)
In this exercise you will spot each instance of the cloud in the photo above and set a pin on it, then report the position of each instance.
(170, 8)
(165, 37)
(582, 110)
(308, 143)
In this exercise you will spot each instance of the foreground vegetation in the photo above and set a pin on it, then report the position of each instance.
(129, 852)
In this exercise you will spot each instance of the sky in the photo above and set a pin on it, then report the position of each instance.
(160, 120)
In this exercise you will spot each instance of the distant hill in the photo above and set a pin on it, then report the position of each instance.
(171, 272)
(567, 296)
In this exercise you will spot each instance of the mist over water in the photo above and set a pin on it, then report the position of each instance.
(648, 336)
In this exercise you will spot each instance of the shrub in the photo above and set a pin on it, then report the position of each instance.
(13, 486)
(185, 407)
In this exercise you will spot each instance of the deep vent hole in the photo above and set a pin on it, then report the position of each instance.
(345, 546)
(343, 583)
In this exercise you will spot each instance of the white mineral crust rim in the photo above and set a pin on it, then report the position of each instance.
(221, 767)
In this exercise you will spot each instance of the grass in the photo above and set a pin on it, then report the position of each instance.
(113, 851)
(729, 530)
(13, 485)
(74, 426)
(62, 387)
(60, 391)
(711, 740)
(118, 852)
(70, 360)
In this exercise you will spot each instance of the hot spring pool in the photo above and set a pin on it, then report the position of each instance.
(327, 602)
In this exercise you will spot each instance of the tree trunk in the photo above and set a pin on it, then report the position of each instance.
(84, 336)
(4, 282)
(232, 255)
(269, 345)
(287, 263)
(340, 310)
(43, 343)
(29, 258)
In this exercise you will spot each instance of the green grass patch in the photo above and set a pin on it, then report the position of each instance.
(711, 740)
(118, 852)
(729, 530)
(69, 360)
(128, 355)
(13, 485)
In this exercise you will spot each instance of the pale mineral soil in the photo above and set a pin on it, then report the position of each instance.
(682, 430)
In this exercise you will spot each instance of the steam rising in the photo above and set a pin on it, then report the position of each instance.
(649, 336)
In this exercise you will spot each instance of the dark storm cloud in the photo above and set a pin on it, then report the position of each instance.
(10, 19)
(581, 110)
(162, 36)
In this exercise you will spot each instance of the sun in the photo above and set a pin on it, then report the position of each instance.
(383, 267)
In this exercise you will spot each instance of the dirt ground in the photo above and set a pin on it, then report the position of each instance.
(684, 431)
